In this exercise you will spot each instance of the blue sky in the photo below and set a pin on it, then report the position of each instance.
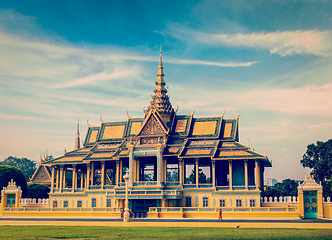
(66, 60)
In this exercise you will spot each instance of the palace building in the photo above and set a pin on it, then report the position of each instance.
(173, 161)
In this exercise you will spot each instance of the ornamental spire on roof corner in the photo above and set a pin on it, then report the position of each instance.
(160, 100)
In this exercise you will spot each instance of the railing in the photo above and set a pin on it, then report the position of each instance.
(67, 190)
(34, 201)
(79, 189)
(145, 183)
(327, 200)
(150, 192)
(175, 183)
(286, 199)
(95, 187)
(223, 209)
(117, 210)
(189, 185)
(205, 185)
(222, 188)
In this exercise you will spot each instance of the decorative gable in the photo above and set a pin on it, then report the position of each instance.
(42, 174)
(152, 127)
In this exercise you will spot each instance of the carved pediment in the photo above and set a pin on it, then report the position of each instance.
(152, 127)
(41, 174)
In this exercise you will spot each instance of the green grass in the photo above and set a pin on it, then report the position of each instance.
(59, 232)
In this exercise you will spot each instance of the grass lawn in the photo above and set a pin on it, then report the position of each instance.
(59, 232)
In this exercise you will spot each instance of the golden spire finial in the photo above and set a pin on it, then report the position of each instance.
(160, 62)
(248, 143)
(77, 140)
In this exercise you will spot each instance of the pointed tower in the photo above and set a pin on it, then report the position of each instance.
(160, 100)
(77, 140)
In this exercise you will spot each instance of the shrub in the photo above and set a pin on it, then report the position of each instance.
(38, 191)
(7, 173)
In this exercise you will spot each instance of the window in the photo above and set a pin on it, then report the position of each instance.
(252, 203)
(222, 203)
(108, 202)
(93, 202)
(65, 204)
(190, 172)
(55, 203)
(238, 202)
(79, 203)
(188, 201)
(205, 201)
(204, 171)
(172, 173)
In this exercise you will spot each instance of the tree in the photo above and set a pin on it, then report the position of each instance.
(27, 166)
(287, 187)
(38, 191)
(319, 158)
(192, 177)
(7, 173)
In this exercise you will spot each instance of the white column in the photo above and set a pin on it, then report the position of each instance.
(52, 181)
(197, 171)
(102, 174)
(74, 178)
(246, 173)
(230, 174)
(213, 173)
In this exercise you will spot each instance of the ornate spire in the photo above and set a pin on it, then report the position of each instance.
(160, 100)
(77, 140)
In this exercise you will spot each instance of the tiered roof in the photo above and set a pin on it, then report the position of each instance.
(182, 136)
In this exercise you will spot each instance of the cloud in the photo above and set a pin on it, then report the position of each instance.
(283, 43)
(11, 117)
(98, 77)
(219, 64)
(319, 125)
(311, 100)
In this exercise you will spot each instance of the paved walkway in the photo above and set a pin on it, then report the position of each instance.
(148, 222)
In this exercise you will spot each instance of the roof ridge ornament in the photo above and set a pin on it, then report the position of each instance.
(177, 109)
(129, 117)
(239, 114)
(101, 118)
(193, 111)
(87, 121)
(222, 115)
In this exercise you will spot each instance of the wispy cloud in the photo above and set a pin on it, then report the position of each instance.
(98, 77)
(283, 43)
(12, 117)
(219, 64)
(319, 125)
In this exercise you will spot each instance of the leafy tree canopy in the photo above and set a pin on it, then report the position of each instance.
(318, 157)
(287, 187)
(38, 191)
(27, 166)
(201, 177)
(7, 173)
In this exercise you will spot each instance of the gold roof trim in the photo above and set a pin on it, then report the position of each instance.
(101, 118)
